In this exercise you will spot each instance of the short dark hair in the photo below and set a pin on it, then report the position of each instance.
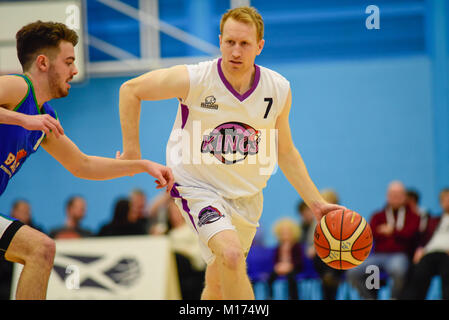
(121, 209)
(301, 206)
(71, 200)
(38, 37)
(414, 194)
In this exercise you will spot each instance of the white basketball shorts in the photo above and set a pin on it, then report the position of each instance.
(208, 213)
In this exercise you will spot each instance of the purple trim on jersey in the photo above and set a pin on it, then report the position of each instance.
(175, 194)
(184, 115)
(232, 90)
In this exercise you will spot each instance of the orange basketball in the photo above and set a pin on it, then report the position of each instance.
(343, 239)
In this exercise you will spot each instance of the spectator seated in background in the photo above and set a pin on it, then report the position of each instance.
(20, 210)
(138, 213)
(123, 221)
(395, 230)
(166, 219)
(288, 257)
(159, 212)
(433, 259)
(75, 212)
(330, 277)
(426, 223)
(307, 226)
(184, 242)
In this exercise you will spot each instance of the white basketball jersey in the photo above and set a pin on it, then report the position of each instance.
(222, 140)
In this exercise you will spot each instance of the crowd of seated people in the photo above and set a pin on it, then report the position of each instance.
(411, 246)
(132, 216)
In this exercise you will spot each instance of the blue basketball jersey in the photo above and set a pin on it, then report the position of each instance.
(18, 143)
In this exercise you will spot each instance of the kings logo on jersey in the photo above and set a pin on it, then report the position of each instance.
(231, 142)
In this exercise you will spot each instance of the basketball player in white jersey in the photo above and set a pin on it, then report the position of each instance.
(228, 113)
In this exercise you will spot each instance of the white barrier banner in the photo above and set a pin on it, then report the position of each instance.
(118, 268)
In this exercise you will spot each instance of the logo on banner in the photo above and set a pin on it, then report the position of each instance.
(123, 272)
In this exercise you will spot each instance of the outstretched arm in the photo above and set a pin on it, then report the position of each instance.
(293, 167)
(98, 168)
(155, 85)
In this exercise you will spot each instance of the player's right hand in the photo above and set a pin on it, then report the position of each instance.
(42, 122)
(320, 209)
(163, 174)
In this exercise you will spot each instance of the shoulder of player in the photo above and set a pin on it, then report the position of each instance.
(177, 73)
(12, 90)
(207, 63)
(202, 66)
(201, 72)
(50, 110)
(273, 74)
(279, 85)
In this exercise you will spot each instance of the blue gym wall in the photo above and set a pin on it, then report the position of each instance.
(368, 112)
(358, 125)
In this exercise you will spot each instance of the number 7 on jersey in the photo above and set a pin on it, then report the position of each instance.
(270, 103)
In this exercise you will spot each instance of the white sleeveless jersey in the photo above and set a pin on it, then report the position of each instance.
(224, 141)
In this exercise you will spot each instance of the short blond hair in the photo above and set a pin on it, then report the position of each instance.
(246, 15)
(289, 223)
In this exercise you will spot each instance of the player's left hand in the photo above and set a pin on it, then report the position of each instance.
(320, 209)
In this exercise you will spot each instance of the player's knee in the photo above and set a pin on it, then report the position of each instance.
(49, 250)
(233, 257)
(30, 246)
(44, 251)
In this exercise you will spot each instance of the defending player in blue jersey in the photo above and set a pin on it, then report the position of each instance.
(46, 53)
